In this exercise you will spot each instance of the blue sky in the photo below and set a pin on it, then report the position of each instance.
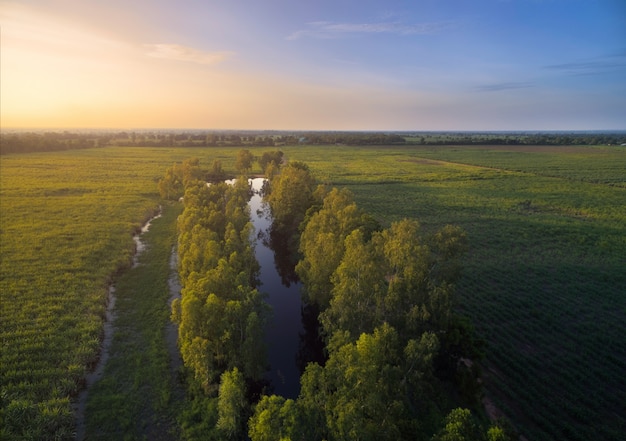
(324, 65)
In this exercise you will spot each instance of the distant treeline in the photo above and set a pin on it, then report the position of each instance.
(23, 142)
(516, 138)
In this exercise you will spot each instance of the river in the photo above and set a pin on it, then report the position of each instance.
(283, 333)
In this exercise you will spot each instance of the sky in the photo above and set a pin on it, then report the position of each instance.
(314, 64)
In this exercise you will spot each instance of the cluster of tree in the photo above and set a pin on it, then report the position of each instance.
(516, 138)
(394, 344)
(250, 138)
(180, 175)
(221, 315)
(25, 142)
(192, 139)
(351, 138)
(22, 142)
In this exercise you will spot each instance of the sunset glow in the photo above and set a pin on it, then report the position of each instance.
(420, 65)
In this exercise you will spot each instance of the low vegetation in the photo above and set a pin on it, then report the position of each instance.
(541, 281)
(139, 392)
(67, 221)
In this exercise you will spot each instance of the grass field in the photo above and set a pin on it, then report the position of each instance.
(544, 281)
(137, 395)
(67, 220)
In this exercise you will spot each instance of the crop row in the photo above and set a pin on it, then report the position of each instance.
(66, 228)
(543, 282)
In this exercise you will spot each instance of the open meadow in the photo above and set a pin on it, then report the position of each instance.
(544, 280)
(67, 220)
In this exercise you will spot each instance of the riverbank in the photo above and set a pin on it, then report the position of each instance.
(138, 394)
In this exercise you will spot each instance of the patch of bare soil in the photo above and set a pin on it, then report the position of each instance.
(538, 148)
(423, 161)
(492, 411)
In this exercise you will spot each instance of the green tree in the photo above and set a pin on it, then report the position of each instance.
(322, 243)
(171, 185)
(496, 433)
(244, 161)
(448, 245)
(232, 404)
(367, 388)
(291, 195)
(216, 173)
(358, 290)
(191, 171)
(268, 158)
(275, 419)
(459, 425)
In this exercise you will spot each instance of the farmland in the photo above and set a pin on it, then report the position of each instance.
(67, 222)
(543, 282)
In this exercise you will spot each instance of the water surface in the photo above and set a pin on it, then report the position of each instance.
(283, 333)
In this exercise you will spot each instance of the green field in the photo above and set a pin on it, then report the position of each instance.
(67, 220)
(544, 281)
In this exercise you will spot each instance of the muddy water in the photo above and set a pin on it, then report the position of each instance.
(140, 246)
(80, 405)
(283, 334)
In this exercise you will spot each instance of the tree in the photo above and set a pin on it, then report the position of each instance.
(268, 158)
(275, 419)
(244, 161)
(367, 388)
(171, 185)
(191, 171)
(322, 243)
(447, 245)
(459, 426)
(216, 173)
(232, 404)
(291, 195)
(358, 290)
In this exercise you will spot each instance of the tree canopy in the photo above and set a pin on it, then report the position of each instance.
(386, 297)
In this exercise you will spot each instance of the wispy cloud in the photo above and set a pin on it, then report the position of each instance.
(327, 29)
(178, 52)
(595, 66)
(497, 87)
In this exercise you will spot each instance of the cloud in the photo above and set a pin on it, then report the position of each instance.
(595, 66)
(497, 87)
(178, 52)
(326, 29)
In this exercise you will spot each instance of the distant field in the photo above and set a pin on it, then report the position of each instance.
(544, 282)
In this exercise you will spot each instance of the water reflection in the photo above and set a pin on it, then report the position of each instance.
(282, 336)
(293, 338)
